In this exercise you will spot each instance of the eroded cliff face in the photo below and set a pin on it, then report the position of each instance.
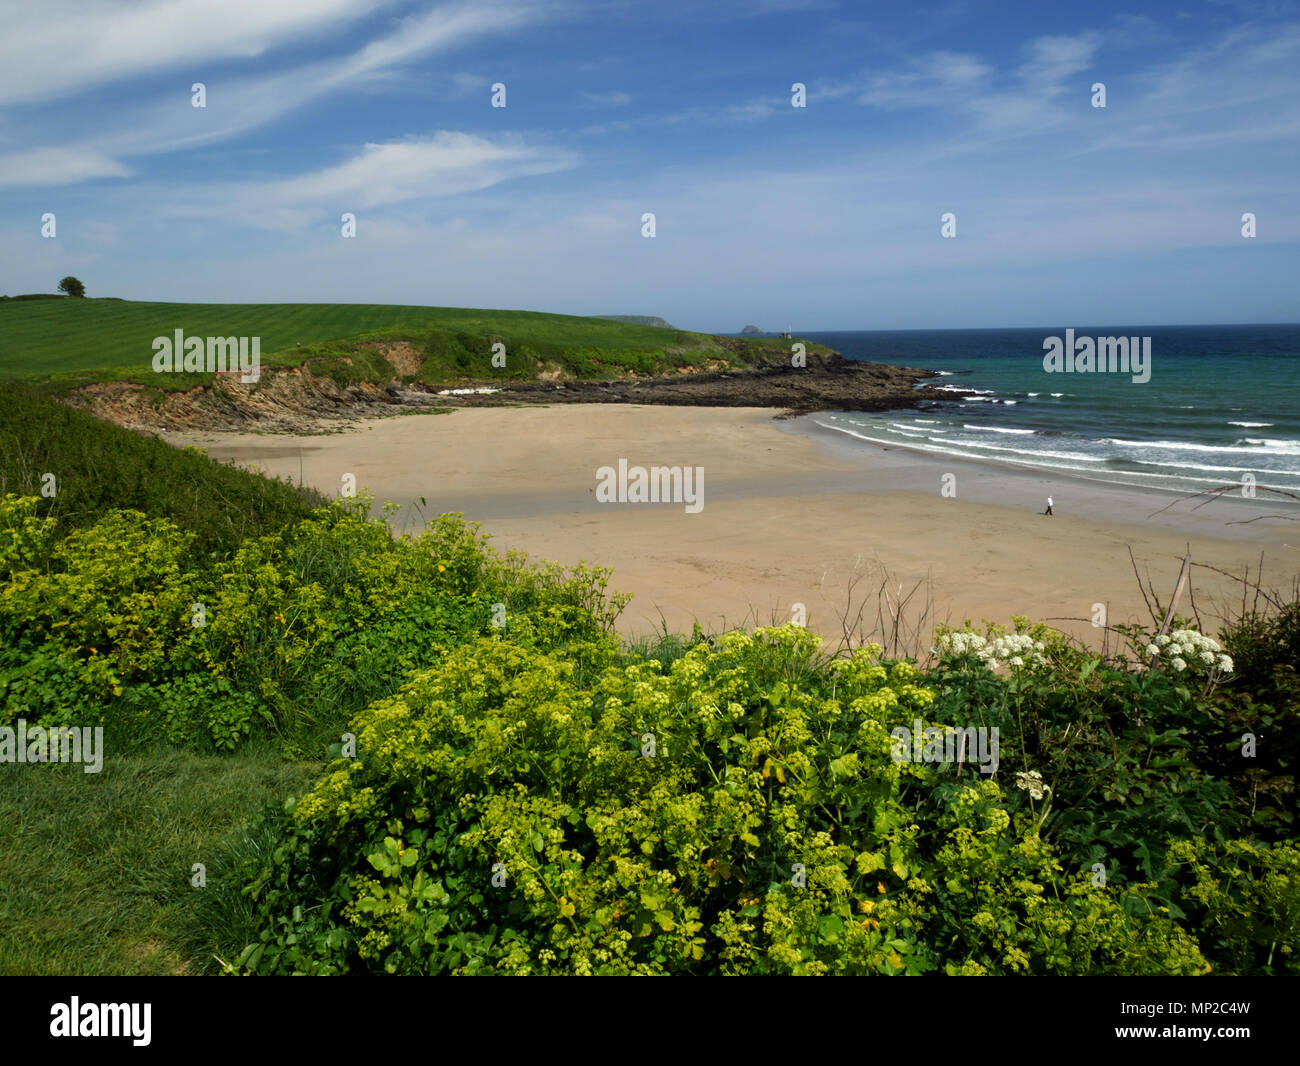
(285, 400)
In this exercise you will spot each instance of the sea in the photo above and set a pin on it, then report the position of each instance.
(1222, 402)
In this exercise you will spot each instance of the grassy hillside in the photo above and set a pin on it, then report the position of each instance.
(99, 467)
(72, 341)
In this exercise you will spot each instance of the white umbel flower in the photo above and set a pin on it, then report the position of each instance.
(1032, 782)
(1188, 649)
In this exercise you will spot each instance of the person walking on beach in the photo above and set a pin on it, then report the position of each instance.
(1049, 506)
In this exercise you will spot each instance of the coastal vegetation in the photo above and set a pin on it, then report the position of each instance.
(82, 468)
(332, 750)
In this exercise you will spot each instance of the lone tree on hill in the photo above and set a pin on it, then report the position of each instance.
(72, 287)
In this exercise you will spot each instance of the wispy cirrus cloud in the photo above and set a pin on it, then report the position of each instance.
(1235, 88)
(246, 103)
(1051, 61)
(240, 104)
(49, 53)
(444, 164)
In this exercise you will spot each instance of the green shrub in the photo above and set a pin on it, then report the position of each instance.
(114, 598)
(292, 634)
(1126, 753)
(25, 537)
(1262, 701)
(46, 685)
(724, 815)
(1244, 899)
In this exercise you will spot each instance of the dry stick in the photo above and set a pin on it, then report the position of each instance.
(1210, 494)
(1245, 584)
(901, 607)
(886, 636)
(1255, 605)
(846, 628)
(897, 622)
(1139, 581)
(1178, 591)
(914, 643)
(846, 638)
(880, 617)
(1213, 494)
(1257, 518)
(858, 624)
(1154, 595)
(900, 623)
(1196, 611)
(895, 614)
(929, 610)
(843, 617)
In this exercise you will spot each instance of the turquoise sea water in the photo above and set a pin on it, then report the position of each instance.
(1221, 402)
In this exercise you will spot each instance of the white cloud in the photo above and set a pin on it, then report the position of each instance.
(445, 164)
(58, 166)
(54, 50)
(940, 79)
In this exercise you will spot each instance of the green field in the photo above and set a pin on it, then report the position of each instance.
(72, 341)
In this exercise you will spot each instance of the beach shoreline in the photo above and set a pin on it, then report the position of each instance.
(1004, 482)
(793, 518)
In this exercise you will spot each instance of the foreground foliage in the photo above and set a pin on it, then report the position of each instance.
(288, 637)
(512, 791)
(500, 817)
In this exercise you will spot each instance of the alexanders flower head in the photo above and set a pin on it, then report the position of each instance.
(1032, 782)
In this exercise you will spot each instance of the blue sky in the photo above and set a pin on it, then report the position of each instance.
(822, 217)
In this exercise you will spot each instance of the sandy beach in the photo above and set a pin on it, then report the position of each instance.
(792, 514)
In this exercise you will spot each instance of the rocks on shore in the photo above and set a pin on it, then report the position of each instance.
(843, 386)
(293, 400)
